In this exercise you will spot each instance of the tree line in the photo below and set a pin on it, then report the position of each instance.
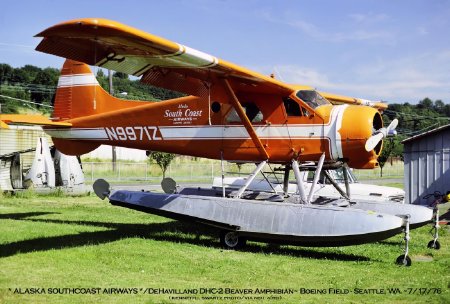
(32, 83)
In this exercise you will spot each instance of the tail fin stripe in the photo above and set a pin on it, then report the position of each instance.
(77, 80)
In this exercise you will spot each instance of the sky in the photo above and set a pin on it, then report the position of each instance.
(392, 50)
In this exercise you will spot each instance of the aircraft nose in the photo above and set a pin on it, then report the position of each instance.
(358, 124)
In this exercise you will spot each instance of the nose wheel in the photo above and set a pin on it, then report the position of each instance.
(232, 240)
(403, 260)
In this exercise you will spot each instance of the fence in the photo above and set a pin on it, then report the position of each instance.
(201, 171)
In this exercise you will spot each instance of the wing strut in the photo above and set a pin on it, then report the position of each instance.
(247, 124)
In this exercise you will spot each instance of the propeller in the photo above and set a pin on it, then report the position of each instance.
(379, 134)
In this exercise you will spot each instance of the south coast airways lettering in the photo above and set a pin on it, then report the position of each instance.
(183, 115)
(149, 133)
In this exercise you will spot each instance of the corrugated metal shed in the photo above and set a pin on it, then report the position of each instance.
(15, 139)
(427, 163)
(20, 138)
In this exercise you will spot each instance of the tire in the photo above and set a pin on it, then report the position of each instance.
(232, 240)
(434, 245)
(403, 260)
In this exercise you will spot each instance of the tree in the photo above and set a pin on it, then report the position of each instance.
(439, 106)
(397, 149)
(120, 75)
(18, 76)
(388, 146)
(41, 92)
(426, 103)
(100, 73)
(5, 72)
(30, 71)
(163, 160)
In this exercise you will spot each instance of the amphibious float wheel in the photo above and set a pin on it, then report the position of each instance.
(403, 260)
(434, 245)
(231, 240)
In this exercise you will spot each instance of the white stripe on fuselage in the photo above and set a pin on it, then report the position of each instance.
(329, 131)
(78, 133)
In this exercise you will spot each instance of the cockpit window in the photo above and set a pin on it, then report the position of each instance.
(292, 107)
(252, 111)
(312, 98)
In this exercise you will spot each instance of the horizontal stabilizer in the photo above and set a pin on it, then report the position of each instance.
(30, 120)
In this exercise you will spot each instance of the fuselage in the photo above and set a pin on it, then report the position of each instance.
(198, 127)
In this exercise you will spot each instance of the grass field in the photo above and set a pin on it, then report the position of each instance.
(82, 244)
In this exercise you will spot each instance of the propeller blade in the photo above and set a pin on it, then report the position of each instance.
(373, 141)
(392, 125)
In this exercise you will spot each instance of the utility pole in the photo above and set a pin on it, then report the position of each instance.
(111, 91)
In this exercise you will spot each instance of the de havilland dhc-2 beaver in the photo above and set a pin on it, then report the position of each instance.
(231, 114)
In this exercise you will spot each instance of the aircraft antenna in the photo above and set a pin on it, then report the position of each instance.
(275, 69)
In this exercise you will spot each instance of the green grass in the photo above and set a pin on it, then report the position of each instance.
(83, 242)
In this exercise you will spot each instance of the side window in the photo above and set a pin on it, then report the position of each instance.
(252, 111)
(292, 107)
(233, 116)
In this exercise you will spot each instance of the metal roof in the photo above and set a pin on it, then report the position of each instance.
(437, 130)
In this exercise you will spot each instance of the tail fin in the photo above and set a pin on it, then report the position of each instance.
(79, 94)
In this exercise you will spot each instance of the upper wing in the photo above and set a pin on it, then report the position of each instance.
(338, 99)
(161, 62)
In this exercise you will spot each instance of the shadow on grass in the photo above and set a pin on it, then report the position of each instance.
(19, 216)
(173, 231)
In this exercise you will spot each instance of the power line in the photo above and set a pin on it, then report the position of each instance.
(26, 101)
(18, 85)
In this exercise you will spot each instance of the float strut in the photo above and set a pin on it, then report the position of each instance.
(250, 179)
(299, 179)
(347, 185)
(316, 177)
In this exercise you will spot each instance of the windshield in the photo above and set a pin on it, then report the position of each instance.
(312, 98)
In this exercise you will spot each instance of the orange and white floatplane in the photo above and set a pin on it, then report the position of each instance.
(228, 113)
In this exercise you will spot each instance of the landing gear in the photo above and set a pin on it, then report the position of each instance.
(404, 259)
(232, 240)
(434, 243)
